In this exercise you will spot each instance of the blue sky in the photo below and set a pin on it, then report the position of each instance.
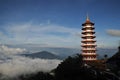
(57, 23)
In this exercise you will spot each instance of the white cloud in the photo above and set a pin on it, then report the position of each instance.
(15, 65)
(114, 32)
(50, 34)
(42, 29)
(8, 51)
(22, 65)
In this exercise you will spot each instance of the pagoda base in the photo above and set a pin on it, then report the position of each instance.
(89, 61)
(98, 64)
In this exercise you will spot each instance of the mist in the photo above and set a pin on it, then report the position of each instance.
(15, 65)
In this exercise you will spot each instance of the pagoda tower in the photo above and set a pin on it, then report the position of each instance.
(88, 43)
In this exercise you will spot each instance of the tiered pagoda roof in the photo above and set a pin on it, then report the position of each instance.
(88, 43)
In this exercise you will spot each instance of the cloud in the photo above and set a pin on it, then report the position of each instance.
(50, 34)
(42, 29)
(22, 65)
(8, 51)
(78, 34)
(18, 65)
(113, 32)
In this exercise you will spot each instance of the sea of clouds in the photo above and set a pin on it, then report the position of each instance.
(13, 65)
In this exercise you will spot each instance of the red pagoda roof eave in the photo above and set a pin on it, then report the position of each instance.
(88, 32)
(90, 55)
(84, 24)
(88, 36)
(87, 41)
(89, 50)
(89, 27)
(88, 45)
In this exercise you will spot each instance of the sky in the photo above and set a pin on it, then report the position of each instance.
(57, 23)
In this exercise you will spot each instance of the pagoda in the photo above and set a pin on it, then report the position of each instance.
(88, 43)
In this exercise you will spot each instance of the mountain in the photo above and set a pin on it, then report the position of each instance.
(60, 51)
(113, 63)
(43, 55)
(116, 56)
(115, 59)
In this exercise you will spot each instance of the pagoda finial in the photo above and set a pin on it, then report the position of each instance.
(87, 17)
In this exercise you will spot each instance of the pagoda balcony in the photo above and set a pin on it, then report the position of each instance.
(88, 31)
(89, 58)
(91, 31)
(89, 37)
(88, 44)
(89, 54)
(90, 40)
(86, 35)
(86, 28)
(88, 48)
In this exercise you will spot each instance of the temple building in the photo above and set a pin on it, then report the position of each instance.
(88, 41)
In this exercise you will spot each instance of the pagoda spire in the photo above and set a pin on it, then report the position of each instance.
(87, 19)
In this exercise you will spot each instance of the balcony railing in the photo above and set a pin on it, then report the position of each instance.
(88, 35)
(87, 44)
(88, 31)
(89, 58)
(88, 53)
(88, 48)
(88, 40)
(85, 28)
(88, 26)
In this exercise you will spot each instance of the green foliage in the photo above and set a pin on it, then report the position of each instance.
(69, 67)
(73, 68)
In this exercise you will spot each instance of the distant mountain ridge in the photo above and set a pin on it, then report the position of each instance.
(62, 52)
(42, 55)
(115, 59)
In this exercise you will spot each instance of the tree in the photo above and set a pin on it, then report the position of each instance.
(37, 76)
(105, 56)
(69, 67)
(73, 68)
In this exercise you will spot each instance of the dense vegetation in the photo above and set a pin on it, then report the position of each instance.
(73, 69)
(37, 76)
